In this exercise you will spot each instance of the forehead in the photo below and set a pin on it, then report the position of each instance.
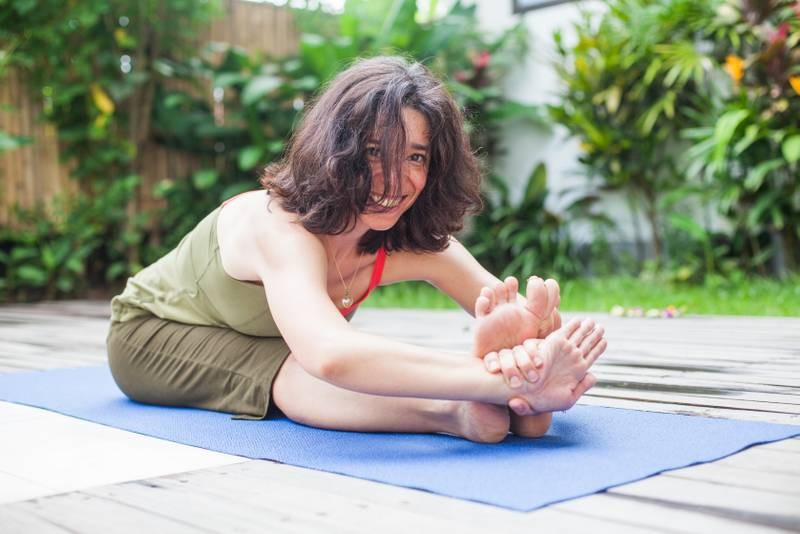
(416, 126)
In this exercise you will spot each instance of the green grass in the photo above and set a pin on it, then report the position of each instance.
(747, 296)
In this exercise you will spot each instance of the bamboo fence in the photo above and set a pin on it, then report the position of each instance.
(35, 174)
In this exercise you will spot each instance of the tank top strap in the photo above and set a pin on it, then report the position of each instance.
(377, 272)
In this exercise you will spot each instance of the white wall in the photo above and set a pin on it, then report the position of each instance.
(535, 81)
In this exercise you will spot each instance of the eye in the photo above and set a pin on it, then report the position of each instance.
(418, 158)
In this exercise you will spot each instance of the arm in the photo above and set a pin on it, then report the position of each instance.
(453, 271)
(296, 288)
(459, 275)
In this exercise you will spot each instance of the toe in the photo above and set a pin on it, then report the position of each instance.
(591, 339)
(512, 287)
(500, 292)
(553, 293)
(596, 351)
(536, 295)
(569, 329)
(586, 326)
(482, 307)
(489, 295)
(584, 385)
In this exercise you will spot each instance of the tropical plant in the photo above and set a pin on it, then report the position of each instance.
(91, 64)
(526, 236)
(747, 150)
(258, 99)
(627, 85)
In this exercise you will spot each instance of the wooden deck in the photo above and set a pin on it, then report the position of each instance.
(738, 368)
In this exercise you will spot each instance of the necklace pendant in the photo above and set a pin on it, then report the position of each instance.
(347, 301)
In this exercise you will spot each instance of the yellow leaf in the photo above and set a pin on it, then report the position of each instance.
(101, 99)
(120, 35)
(734, 65)
(100, 121)
(794, 81)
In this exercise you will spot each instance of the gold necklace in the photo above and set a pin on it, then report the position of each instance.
(347, 300)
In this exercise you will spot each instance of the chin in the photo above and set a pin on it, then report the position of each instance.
(380, 222)
(381, 226)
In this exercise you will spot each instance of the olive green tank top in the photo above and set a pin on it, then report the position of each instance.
(189, 286)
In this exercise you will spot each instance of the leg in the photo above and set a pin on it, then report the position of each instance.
(308, 400)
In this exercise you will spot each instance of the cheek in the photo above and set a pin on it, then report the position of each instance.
(420, 179)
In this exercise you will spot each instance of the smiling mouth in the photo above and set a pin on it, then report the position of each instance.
(387, 203)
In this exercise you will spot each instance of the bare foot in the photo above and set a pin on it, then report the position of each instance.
(566, 354)
(480, 422)
(504, 321)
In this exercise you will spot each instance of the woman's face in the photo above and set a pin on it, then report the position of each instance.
(413, 176)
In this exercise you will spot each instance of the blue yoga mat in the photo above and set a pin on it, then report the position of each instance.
(587, 450)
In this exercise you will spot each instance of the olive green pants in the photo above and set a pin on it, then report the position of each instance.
(157, 361)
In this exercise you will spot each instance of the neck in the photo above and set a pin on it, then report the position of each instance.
(344, 246)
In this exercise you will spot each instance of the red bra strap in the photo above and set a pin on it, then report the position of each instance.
(377, 271)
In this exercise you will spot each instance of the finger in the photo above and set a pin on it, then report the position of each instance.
(492, 362)
(586, 326)
(525, 364)
(596, 352)
(520, 407)
(592, 339)
(531, 346)
(482, 306)
(512, 287)
(509, 367)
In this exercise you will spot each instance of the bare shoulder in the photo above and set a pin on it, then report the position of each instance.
(256, 234)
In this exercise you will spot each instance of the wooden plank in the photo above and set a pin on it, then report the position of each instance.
(767, 509)
(768, 460)
(656, 516)
(87, 514)
(786, 445)
(696, 400)
(22, 521)
(728, 475)
(753, 379)
(590, 399)
(256, 487)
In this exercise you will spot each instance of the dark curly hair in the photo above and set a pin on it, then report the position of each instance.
(325, 178)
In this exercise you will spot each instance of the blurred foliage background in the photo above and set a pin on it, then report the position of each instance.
(688, 109)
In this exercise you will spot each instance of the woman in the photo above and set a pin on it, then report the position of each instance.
(252, 307)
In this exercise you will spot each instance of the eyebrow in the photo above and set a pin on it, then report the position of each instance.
(415, 146)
